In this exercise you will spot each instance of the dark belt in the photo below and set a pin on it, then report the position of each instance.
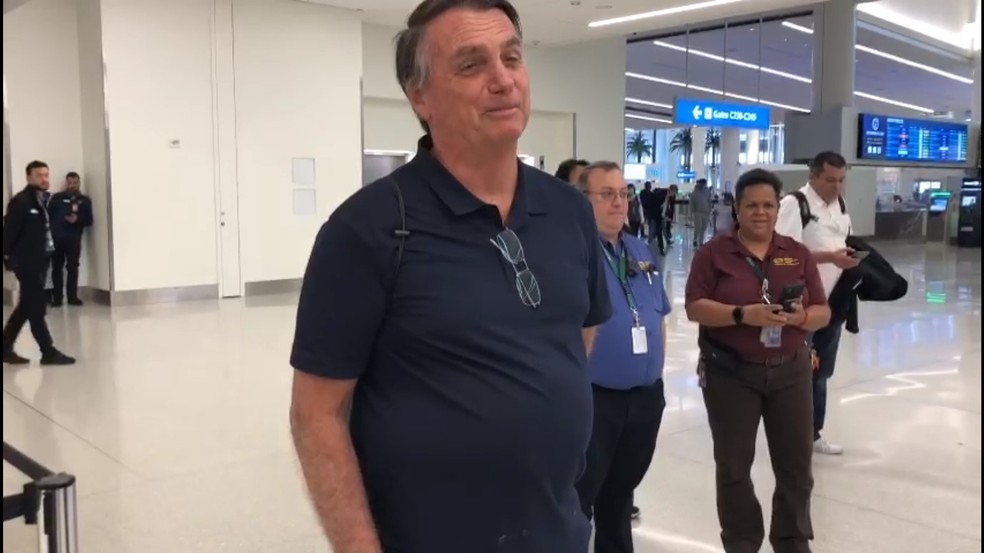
(773, 359)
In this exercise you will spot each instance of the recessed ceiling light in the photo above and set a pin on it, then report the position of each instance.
(895, 103)
(961, 39)
(771, 71)
(888, 56)
(647, 118)
(678, 84)
(648, 103)
(661, 13)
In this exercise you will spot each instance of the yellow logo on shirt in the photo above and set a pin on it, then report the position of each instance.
(785, 262)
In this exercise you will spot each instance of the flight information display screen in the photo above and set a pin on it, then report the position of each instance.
(890, 138)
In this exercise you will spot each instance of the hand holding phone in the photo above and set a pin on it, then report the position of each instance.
(790, 295)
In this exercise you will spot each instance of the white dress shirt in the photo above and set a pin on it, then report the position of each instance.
(828, 232)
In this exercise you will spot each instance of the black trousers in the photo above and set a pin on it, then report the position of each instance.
(66, 260)
(31, 307)
(626, 424)
(656, 232)
(737, 401)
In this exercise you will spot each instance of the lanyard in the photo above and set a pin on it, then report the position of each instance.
(621, 273)
(762, 276)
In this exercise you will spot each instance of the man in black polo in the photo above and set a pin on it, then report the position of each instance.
(458, 339)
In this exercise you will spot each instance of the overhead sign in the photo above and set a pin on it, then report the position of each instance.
(686, 175)
(708, 113)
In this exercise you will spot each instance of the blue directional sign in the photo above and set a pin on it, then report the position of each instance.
(708, 113)
(686, 175)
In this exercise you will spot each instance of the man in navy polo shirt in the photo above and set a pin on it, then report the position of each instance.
(451, 305)
(626, 366)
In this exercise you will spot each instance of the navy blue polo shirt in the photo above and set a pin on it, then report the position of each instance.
(612, 364)
(472, 412)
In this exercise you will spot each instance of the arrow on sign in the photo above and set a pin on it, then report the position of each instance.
(697, 112)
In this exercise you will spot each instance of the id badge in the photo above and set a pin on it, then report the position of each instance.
(640, 344)
(772, 336)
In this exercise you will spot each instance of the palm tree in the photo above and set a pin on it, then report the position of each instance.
(683, 143)
(639, 147)
(713, 145)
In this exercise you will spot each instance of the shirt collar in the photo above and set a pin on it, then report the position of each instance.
(529, 199)
(814, 198)
(779, 242)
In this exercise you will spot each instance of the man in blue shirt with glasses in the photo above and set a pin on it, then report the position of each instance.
(625, 365)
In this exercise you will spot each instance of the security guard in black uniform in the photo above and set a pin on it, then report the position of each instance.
(27, 245)
(71, 214)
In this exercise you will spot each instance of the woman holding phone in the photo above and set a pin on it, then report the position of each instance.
(757, 295)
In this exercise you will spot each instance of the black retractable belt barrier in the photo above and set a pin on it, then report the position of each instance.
(49, 502)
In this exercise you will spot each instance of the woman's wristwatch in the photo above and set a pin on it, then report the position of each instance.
(738, 314)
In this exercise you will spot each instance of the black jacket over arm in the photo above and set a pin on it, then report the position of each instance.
(873, 280)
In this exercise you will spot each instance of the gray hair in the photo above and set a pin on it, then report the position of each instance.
(598, 166)
(412, 65)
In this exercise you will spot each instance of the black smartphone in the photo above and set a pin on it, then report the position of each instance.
(790, 294)
(860, 255)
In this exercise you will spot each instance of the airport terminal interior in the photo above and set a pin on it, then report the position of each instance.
(213, 139)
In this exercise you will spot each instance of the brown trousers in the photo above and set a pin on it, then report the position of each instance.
(781, 395)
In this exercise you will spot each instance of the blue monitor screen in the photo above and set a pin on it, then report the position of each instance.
(889, 138)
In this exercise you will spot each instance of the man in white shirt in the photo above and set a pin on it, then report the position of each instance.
(822, 226)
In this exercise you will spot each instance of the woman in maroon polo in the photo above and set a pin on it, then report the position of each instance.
(755, 365)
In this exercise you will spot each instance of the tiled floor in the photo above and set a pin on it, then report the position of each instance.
(176, 425)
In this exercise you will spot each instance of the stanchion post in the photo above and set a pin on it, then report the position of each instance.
(57, 519)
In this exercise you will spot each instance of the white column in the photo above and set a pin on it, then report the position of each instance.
(697, 165)
(976, 106)
(752, 151)
(973, 153)
(835, 24)
(729, 158)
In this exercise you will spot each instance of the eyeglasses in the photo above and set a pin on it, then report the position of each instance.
(608, 195)
(511, 248)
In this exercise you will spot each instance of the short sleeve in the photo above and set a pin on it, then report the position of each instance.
(814, 285)
(342, 304)
(790, 222)
(600, 301)
(701, 282)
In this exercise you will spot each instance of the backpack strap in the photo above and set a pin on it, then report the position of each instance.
(806, 215)
(400, 233)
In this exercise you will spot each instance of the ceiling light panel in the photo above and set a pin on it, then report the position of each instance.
(662, 13)
(648, 103)
(891, 57)
(648, 118)
(731, 61)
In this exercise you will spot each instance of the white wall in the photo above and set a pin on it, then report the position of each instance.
(297, 95)
(41, 65)
(158, 89)
(588, 80)
(584, 82)
(94, 170)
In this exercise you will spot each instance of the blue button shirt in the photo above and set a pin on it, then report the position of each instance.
(612, 364)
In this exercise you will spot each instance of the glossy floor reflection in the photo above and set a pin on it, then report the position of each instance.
(175, 423)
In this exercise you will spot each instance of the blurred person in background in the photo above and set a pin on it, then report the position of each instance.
(570, 169)
(701, 208)
(71, 214)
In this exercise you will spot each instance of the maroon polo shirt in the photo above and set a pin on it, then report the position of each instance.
(720, 272)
